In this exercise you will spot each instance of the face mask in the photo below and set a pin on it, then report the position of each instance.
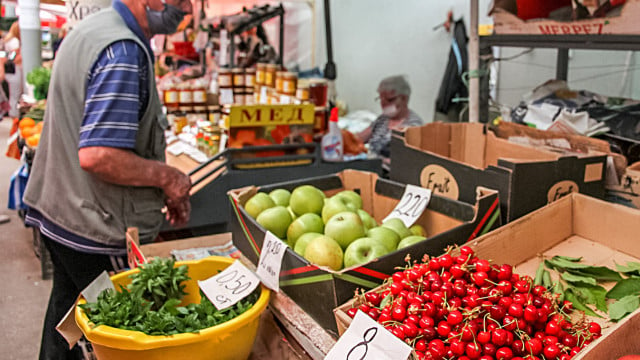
(165, 21)
(390, 111)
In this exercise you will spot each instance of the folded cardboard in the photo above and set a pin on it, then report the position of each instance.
(319, 290)
(454, 159)
(602, 233)
(505, 21)
(628, 190)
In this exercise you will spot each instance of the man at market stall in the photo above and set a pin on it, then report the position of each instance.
(393, 94)
(100, 165)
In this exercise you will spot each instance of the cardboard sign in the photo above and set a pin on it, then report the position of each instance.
(561, 189)
(411, 206)
(367, 340)
(80, 9)
(271, 261)
(97, 286)
(229, 286)
(134, 254)
(263, 115)
(439, 180)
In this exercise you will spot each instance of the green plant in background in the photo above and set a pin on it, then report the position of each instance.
(39, 78)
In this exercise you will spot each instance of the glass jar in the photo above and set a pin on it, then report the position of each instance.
(199, 95)
(302, 91)
(225, 79)
(250, 77)
(171, 98)
(289, 83)
(318, 91)
(270, 75)
(214, 113)
(238, 78)
(260, 73)
(238, 98)
(279, 82)
(179, 122)
(185, 95)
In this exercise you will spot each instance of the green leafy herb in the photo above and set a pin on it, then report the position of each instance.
(623, 307)
(600, 273)
(151, 303)
(626, 287)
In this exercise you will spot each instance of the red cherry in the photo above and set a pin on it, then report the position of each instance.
(454, 318)
(504, 353)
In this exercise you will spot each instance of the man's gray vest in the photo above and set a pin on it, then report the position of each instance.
(58, 187)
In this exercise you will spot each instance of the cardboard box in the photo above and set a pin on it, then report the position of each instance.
(628, 191)
(454, 159)
(623, 340)
(506, 22)
(319, 290)
(602, 233)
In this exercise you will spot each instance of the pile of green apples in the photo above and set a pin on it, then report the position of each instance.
(334, 232)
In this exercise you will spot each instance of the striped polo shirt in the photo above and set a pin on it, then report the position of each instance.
(116, 97)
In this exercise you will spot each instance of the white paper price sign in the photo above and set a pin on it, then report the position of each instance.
(226, 96)
(229, 286)
(411, 206)
(273, 250)
(365, 339)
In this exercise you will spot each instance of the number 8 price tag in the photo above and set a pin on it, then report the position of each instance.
(270, 262)
(411, 205)
(229, 286)
(365, 339)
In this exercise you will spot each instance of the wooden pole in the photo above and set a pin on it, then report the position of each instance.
(474, 64)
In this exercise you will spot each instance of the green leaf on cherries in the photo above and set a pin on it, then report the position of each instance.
(569, 258)
(623, 307)
(385, 301)
(571, 278)
(577, 304)
(599, 273)
(630, 268)
(559, 262)
(625, 288)
(592, 294)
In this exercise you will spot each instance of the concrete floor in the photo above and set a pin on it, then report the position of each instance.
(24, 295)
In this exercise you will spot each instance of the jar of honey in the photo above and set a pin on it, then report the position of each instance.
(171, 97)
(250, 77)
(279, 82)
(225, 79)
(302, 91)
(261, 70)
(289, 83)
(238, 78)
(185, 95)
(270, 75)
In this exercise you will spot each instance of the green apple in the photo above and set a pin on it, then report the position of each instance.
(418, 230)
(280, 196)
(276, 220)
(306, 199)
(324, 251)
(304, 224)
(368, 220)
(303, 241)
(258, 203)
(332, 206)
(362, 251)
(344, 228)
(410, 240)
(385, 236)
(398, 226)
(352, 198)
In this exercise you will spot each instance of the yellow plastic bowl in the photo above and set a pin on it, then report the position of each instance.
(231, 340)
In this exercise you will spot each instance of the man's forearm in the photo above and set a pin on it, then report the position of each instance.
(123, 167)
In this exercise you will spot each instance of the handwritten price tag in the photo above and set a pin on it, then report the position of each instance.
(365, 339)
(273, 250)
(411, 206)
(229, 286)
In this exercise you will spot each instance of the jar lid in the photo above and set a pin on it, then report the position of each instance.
(315, 81)
(289, 74)
(199, 108)
(272, 66)
(261, 65)
(250, 71)
(237, 70)
(223, 71)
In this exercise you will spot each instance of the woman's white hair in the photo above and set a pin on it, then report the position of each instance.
(396, 83)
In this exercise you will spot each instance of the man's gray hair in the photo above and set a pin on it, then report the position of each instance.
(396, 83)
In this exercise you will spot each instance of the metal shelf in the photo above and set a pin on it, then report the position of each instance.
(589, 42)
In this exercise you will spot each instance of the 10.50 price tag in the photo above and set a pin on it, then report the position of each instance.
(411, 205)
(273, 250)
(365, 339)
(229, 286)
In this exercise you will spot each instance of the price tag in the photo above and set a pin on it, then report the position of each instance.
(365, 339)
(229, 286)
(226, 96)
(97, 286)
(176, 149)
(411, 206)
(273, 250)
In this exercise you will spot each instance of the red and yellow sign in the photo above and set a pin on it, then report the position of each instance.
(270, 115)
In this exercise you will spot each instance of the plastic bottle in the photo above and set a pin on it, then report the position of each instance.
(332, 143)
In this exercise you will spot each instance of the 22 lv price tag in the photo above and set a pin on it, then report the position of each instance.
(229, 286)
(411, 205)
(273, 250)
(365, 339)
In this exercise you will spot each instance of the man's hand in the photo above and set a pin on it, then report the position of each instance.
(176, 186)
(178, 213)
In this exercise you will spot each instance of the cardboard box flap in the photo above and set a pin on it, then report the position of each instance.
(468, 144)
(594, 220)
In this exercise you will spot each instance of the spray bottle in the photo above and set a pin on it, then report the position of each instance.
(332, 143)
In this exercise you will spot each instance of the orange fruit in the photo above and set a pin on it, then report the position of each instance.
(26, 132)
(33, 140)
(26, 122)
(38, 127)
